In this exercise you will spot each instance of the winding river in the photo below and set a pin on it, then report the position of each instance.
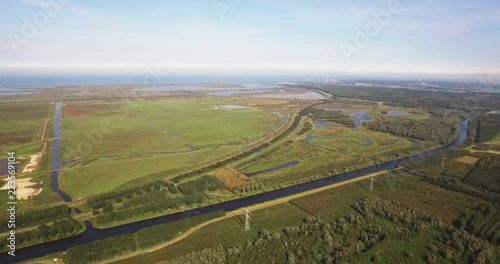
(92, 234)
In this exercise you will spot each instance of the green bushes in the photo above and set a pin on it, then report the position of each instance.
(435, 129)
(335, 116)
(100, 249)
(58, 229)
(200, 185)
(456, 188)
(99, 201)
(483, 222)
(151, 202)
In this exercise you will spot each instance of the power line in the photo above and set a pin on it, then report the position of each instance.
(443, 159)
(372, 179)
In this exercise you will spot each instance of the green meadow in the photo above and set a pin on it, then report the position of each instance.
(22, 123)
(120, 141)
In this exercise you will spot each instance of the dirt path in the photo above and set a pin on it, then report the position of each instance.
(312, 123)
(240, 212)
(44, 130)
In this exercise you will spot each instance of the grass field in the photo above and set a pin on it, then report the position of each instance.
(150, 137)
(81, 181)
(22, 123)
(159, 126)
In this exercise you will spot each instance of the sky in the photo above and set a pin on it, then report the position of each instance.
(250, 36)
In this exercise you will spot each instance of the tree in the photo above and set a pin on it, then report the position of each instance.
(108, 207)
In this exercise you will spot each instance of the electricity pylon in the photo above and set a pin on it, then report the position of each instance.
(443, 159)
(247, 219)
(372, 179)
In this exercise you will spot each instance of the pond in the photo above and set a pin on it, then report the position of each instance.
(318, 124)
(301, 96)
(236, 92)
(397, 113)
(360, 117)
(279, 114)
(233, 107)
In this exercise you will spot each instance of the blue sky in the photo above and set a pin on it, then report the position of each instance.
(427, 36)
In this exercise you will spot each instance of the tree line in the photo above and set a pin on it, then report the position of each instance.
(151, 202)
(100, 249)
(58, 229)
(408, 97)
(434, 129)
(99, 201)
(36, 217)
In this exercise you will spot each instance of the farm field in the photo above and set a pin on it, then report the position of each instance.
(470, 160)
(474, 171)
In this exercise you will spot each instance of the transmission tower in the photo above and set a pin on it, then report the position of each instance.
(443, 159)
(372, 179)
(247, 219)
